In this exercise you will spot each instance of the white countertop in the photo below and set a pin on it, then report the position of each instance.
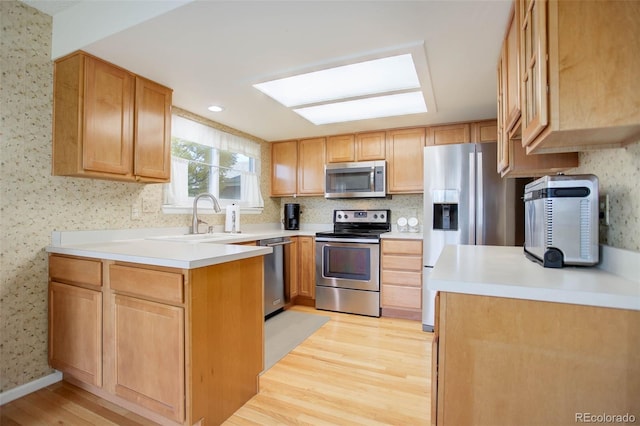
(402, 235)
(506, 272)
(147, 246)
(150, 245)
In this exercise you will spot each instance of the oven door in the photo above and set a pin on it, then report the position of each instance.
(348, 265)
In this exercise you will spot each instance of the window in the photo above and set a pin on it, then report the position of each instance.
(205, 159)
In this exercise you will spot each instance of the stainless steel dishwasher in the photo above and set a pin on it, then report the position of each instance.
(274, 275)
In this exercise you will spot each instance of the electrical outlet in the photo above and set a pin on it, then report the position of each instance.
(135, 212)
(604, 209)
(148, 206)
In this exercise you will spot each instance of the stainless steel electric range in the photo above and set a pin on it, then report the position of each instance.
(348, 262)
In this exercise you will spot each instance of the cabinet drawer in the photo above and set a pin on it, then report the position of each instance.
(402, 246)
(147, 283)
(401, 297)
(412, 279)
(75, 270)
(406, 263)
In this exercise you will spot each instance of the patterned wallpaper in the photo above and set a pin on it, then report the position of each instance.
(618, 172)
(34, 203)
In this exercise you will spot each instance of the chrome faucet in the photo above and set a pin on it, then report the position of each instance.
(195, 221)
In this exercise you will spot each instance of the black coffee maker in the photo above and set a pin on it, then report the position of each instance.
(292, 216)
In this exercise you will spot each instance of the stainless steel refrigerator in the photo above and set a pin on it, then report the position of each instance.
(465, 202)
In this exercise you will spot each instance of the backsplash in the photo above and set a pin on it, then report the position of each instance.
(319, 210)
(618, 172)
(34, 203)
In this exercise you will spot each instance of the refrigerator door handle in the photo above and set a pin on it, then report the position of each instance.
(480, 199)
(472, 198)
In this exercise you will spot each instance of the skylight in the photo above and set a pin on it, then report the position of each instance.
(353, 86)
(361, 109)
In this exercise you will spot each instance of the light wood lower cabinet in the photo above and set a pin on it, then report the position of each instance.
(306, 271)
(291, 268)
(75, 331)
(176, 346)
(401, 278)
(503, 361)
(149, 355)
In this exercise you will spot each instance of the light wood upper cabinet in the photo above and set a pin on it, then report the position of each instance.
(580, 88)
(405, 160)
(297, 167)
(484, 131)
(359, 147)
(109, 123)
(311, 156)
(341, 149)
(513, 160)
(371, 146)
(284, 168)
(449, 134)
(152, 141)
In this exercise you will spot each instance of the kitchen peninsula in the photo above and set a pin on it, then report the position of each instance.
(170, 330)
(516, 343)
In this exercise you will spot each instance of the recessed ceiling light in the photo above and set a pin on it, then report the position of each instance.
(361, 109)
(215, 108)
(391, 74)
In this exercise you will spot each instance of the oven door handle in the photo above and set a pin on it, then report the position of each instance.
(347, 240)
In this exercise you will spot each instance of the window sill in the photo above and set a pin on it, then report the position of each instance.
(166, 209)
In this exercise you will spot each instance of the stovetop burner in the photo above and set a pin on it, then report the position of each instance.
(358, 224)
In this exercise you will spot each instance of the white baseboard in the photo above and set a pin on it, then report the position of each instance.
(27, 388)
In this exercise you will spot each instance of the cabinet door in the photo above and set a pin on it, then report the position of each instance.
(484, 131)
(404, 160)
(311, 156)
(291, 262)
(512, 71)
(449, 134)
(108, 118)
(503, 141)
(149, 355)
(371, 146)
(152, 130)
(284, 168)
(307, 281)
(533, 59)
(75, 332)
(341, 149)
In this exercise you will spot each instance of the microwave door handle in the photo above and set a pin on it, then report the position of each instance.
(372, 179)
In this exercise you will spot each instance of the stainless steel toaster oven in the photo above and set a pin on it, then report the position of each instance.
(561, 220)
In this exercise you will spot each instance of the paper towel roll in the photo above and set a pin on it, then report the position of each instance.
(232, 220)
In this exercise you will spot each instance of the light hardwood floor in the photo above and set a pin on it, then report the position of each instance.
(353, 370)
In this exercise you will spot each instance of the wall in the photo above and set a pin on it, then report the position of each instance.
(34, 203)
(618, 172)
(318, 210)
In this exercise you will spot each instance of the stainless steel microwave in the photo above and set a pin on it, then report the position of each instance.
(364, 179)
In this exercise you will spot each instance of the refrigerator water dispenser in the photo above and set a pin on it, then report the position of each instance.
(445, 217)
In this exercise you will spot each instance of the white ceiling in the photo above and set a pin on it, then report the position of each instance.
(211, 52)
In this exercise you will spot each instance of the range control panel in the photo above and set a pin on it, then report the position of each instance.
(361, 216)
